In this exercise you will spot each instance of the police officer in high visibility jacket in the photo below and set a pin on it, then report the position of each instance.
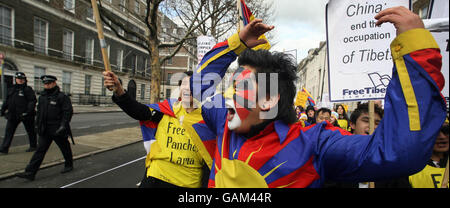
(19, 107)
(54, 112)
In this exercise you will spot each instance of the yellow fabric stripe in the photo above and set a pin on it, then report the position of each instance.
(234, 44)
(410, 96)
(406, 43)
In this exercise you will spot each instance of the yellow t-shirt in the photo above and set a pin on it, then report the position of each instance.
(429, 177)
(343, 124)
(176, 158)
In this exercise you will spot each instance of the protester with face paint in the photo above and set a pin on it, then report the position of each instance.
(173, 157)
(260, 144)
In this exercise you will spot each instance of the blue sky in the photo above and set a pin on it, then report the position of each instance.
(299, 24)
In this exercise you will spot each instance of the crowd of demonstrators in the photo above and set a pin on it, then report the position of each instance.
(252, 147)
(164, 126)
(19, 106)
(54, 113)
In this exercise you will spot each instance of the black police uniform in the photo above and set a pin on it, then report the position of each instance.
(20, 106)
(54, 112)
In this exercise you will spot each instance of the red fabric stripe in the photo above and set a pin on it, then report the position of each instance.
(431, 61)
(302, 177)
(149, 124)
(218, 45)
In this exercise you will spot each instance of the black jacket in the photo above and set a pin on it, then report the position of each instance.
(54, 110)
(20, 99)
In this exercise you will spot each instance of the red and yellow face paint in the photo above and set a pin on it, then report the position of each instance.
(242, 92)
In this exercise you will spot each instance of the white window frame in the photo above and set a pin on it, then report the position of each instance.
(137, 6)
(90, 50)
(90, 18)
(72, 9)
(64, 81)
(38, 85)
(72, 44)
(12, 23)
(46, 32)
(119, 60)
(122, 7)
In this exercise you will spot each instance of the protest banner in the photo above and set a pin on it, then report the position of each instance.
(204, 44)
(360, 62)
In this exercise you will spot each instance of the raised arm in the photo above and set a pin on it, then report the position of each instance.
(215, 63)
(414, 112)
(130, 106)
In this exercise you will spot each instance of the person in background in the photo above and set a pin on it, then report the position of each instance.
(432, 175)
(311, 113)
(343, 118)
(173, 158)
(54, 112)
(20, 103)
(334, 118)
(323, 114)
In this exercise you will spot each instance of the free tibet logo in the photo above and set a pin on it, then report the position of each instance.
(379, 86)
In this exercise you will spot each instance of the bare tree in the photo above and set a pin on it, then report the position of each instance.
(223, 14)
(150, 39)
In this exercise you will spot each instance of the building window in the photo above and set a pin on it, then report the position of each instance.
(6, 28)
(40, 35)
(89, 14)
(66, 80)
(68, 44)
(122, 5)
(142, 91)
(38, 72)
(69, 5)
(168, 92)
(133, 64)
(87, 84)
(423, 12)
(170, 61)
(119, 60)
(90, 51)
(103, 87)
(136, 7)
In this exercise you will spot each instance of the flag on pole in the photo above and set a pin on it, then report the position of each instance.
(245, 17)
(311, 101)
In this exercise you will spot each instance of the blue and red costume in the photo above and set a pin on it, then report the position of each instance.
(294, 156)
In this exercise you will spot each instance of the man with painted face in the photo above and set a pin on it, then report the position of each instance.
(260, 145)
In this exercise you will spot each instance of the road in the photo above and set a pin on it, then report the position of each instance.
(118, 168)
(81, 124)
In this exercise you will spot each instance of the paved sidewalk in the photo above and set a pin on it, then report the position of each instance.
(17, 159)
(95, 109)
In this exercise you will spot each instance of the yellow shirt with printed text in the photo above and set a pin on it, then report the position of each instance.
(177, 159)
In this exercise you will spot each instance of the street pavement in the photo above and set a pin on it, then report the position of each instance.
(87, 145)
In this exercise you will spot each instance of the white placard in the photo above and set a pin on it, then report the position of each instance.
(204, 44)
(360, 61)
(439, 9)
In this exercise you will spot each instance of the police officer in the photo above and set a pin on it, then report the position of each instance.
(20, 103)
(54, 113)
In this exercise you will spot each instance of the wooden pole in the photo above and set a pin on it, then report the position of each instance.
(101, 37)
(371, 127)
(103, 44)
(445, 179)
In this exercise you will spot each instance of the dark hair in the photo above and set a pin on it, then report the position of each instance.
(445, 129)
(364, 108)
(344, 113)
(187, 73)
(267, 62)
(324, 110)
